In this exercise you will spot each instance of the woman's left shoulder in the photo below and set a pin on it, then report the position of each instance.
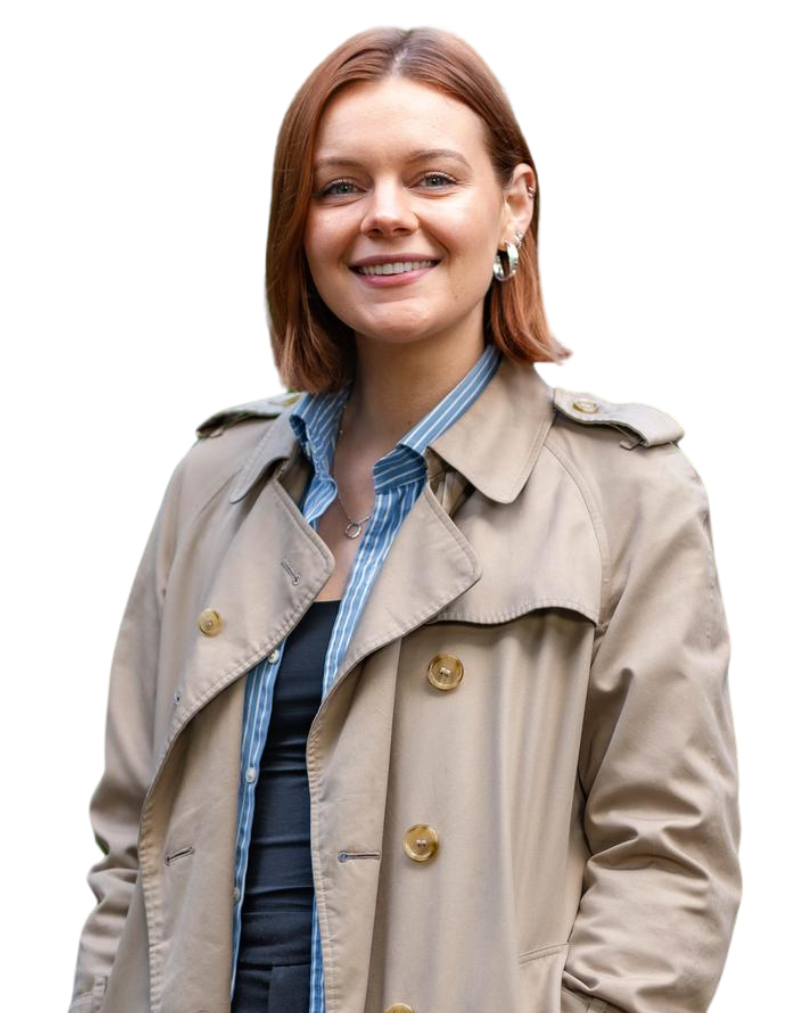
(621, 453)
(641, 423)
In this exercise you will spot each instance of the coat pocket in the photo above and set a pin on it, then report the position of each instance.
(541, 979)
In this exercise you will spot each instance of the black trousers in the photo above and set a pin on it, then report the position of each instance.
(273, 977)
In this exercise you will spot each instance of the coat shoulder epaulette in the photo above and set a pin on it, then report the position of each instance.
(266, 408)
(649, 425)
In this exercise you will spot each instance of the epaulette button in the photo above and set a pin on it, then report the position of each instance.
(585, 405)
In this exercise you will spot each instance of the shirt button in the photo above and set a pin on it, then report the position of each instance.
(210, 622)
(445, 671)
(421, 842)
(250, 775)
(273, 656)
(237, 893)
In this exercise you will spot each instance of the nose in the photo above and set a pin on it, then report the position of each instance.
(389, 211)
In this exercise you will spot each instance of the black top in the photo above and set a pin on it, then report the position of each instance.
(279, 870)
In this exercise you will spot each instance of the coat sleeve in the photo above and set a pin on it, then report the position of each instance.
(116, 803)
(658, 765)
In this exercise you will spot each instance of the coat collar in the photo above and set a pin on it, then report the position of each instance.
(494, 444)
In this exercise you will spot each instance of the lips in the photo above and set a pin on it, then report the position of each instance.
(383, 263)
(390, 280)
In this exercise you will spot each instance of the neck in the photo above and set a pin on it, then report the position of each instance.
(397, 385)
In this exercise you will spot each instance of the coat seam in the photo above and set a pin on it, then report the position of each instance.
(597, 524)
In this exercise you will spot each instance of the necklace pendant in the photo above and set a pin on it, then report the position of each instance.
(353, 530)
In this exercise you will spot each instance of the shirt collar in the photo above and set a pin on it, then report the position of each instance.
(315, 418)
(494, 444)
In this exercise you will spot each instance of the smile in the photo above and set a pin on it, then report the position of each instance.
(396, 267)
(393, 275)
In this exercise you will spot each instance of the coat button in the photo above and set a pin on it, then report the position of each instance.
(445, 671)
(210, 622)
(399, 1007)
(585, 405)
(421, 842)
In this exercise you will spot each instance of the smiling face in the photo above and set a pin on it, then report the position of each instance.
(406, 214)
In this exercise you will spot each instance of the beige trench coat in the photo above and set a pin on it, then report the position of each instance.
(577, 770)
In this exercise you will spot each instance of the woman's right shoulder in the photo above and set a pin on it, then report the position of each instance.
(265, 408)
(225, 441)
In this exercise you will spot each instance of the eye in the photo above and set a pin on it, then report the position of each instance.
(444, 179)
(327, 190)
(438, 175)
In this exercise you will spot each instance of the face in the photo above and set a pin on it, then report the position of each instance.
(406, 214)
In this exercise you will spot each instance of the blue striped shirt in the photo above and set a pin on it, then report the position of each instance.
(399, 478)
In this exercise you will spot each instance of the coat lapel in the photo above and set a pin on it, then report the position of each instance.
(470, 558)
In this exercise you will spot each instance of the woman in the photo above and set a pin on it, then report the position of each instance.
(420, 698)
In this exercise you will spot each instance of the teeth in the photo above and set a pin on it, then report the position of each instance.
(398, 267)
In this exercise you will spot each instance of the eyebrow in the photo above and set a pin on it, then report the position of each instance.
(416, 156)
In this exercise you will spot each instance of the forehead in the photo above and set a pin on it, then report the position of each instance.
(395, 116)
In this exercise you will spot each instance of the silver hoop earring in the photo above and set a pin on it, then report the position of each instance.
(514, 259)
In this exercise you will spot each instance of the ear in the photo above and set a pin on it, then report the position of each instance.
(518, 199)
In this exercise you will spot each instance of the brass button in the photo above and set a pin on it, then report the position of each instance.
(210, 622)
(421, 842)
(445, 671)
(399, 1007)
(583, 404)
